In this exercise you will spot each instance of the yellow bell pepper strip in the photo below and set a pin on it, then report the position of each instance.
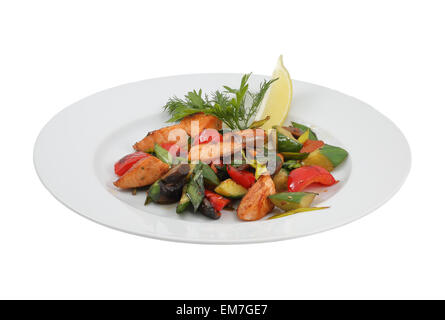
(304, 137)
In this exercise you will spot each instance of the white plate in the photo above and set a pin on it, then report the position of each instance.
(75, 152)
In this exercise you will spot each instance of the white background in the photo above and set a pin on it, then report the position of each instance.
(390, 54)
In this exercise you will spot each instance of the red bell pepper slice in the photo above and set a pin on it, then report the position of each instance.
(312, 145)
(208, 136)
(244, 178)
(218, 202)
(124, 164)
(302, 177)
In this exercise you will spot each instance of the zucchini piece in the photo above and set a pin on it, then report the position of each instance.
(280, 180)
(154, 192)
(312, 135)
(335, 154)
(230, 189)
(327, 157)
(292, 200)
(295, 155)
(286, 142)
(184, 202)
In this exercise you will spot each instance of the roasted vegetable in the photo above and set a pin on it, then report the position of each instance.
(176, 174)
(169, 188)
(256, 204)
(263, 161)
(208, 210)
(218, 202)
(154, 193)
(327, 157)
(231, 189)
(295, 155)
(260, 169)
(279, 163)
(211, 180)
(244, 178)
(302, 177)
(286, 142)
(311, 145)
(292, 200)
(184, 202)
(124, 164)
(221, 172)
(304, 137)
(147, 199)
(195, 189)
(163, 155)
(280, 180)
(143, 173)
(303, 128)
(296, 133)
(285, 214)
(290, 165)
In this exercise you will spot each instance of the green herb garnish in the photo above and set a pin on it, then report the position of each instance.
(230, 105)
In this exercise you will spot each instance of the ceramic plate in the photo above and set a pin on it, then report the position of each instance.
(75, 153)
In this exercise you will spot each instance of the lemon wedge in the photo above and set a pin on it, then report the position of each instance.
(278, 98)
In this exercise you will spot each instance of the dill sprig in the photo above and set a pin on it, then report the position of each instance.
(233, 106)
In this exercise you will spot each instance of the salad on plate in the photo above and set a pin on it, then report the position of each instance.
(229, 151)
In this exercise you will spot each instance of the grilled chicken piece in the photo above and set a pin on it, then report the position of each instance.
(143, 173)
(162, 135)
(211, 151)
(158, 136)
(256, 204)
(247, 136)
(205, 121)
